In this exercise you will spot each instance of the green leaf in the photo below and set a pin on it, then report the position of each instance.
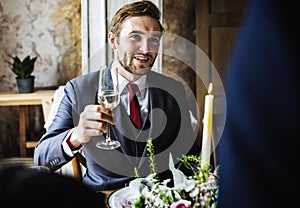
(23, 68)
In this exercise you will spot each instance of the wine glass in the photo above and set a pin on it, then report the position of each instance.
(109, 96)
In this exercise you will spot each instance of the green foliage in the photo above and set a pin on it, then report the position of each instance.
(151, 155)
(22, 68)
(139, 203)
(200, 172)
(151, 159)
(136, 172)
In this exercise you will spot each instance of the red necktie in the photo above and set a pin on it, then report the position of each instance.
(135, 113)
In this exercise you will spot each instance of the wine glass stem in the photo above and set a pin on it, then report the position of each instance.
(108, 139)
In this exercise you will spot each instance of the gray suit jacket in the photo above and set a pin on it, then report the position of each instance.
(168, 124)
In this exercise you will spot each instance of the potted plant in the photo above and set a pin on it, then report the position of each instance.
(23, 69)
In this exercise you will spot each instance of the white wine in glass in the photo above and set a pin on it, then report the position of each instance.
(109, 96)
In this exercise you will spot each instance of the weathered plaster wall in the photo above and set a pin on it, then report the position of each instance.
(29, 27)
(179, 19)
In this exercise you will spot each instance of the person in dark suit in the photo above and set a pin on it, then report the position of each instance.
(134, 36)
(29, 187)
(257, 150)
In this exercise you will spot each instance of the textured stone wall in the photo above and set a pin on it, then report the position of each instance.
(27, 28)
(37, 28)
(179, 19)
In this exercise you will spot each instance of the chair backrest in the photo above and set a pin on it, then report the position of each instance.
(51, 110)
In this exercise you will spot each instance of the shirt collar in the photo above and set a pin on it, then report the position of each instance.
(141, 82)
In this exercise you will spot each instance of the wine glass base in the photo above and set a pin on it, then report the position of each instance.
(108, 145)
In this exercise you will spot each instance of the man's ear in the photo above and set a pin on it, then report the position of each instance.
(112, 40)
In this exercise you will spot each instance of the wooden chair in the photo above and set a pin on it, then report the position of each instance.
(78, 164)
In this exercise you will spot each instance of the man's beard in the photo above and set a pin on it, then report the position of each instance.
(129, 69)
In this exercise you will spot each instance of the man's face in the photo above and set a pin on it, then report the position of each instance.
(136, 49)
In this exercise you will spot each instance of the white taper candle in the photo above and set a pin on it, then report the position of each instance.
(207, 127)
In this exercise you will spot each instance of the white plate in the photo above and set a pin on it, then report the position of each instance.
(129, 193)
(118, 195)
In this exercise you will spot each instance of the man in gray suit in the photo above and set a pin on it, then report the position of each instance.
(134, 36)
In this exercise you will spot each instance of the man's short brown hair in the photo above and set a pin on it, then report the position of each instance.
(139, 8)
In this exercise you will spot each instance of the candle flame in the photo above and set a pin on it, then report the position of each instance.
(210, 88)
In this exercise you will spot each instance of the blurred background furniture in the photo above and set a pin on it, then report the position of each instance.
(50, 100)
(24, 100)
(27, 161)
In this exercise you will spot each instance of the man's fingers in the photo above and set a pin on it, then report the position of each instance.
(92, 108)
(106, 118)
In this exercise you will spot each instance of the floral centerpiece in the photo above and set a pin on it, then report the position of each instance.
(199, 189)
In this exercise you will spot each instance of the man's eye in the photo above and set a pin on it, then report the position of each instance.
(154, 40)
(135, 37)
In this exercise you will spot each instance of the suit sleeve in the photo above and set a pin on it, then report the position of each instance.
(49, 151)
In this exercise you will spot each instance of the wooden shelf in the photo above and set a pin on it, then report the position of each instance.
(39, 97)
